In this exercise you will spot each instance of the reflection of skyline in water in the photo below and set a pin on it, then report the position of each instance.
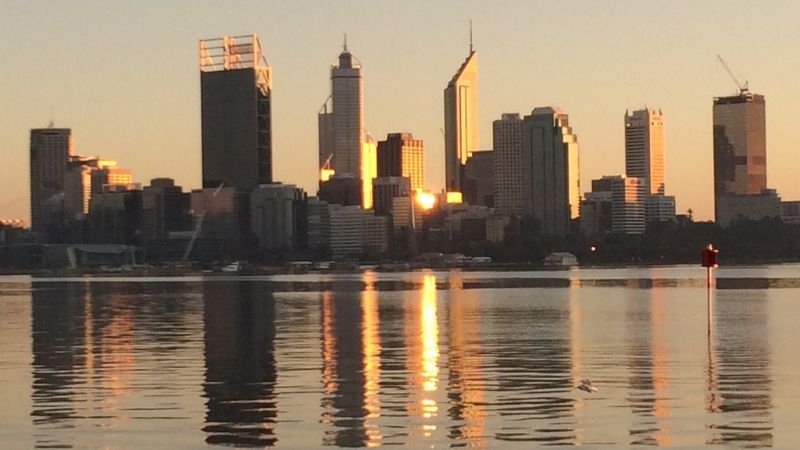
(739, 380)
(351, 368)
(466, 385)
(648, 382)
(533, 362)
(241, 405)
(84, 358)
(444, 363)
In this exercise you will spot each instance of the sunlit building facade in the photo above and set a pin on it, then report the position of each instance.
(341, 119)
(644, 148)
(236, 98)
(551, 187)
(628, 196)
(460, 120)
(740, 150)
(400, 155)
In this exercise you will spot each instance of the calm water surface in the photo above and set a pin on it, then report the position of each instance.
(423, 359)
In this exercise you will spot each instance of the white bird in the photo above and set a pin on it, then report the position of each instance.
(586, 385)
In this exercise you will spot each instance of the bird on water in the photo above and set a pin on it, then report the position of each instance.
(586, 386)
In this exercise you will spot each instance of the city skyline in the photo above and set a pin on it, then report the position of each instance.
(158, 133)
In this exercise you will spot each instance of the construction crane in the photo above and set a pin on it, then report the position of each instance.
(743, 88)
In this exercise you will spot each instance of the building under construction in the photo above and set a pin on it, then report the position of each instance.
(236, 87)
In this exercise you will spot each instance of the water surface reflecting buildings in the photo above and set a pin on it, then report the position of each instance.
(413, 360)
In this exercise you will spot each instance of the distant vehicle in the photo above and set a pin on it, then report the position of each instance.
(560, 259)
(232, 267)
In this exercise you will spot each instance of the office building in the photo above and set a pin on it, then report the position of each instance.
(478, 180)
(460, 120)
(400, 155)
(644, 148)
(740, 153)
(165, 209)
(115, 217)
(357, 232)
(551, 186)
(628, 196)
(509, 176)
(278, 218)
(50, 149)
(236, 96)
(319, 227)
(341, 119)
(106, 175)
(386, 189)
(345, 190)
(730, 207)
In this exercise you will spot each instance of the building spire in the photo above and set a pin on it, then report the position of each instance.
(345, 42)
(470, 36)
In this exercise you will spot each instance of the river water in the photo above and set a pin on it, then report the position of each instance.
(420, 359)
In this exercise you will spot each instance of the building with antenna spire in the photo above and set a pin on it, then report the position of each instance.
(461, 119)
(342, 136)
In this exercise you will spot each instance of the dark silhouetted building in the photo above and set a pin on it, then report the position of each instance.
(478, 181)
(278, 218)
(342, 190)
(236, 90)
(165, 209)
(50, 149)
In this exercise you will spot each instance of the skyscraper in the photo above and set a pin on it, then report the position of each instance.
(236, 92)
(400, 155)
(644, 148)
(49, 152)
(460, 120)
(550, 169)
(341, 119)
(740, 146)
(508, 171)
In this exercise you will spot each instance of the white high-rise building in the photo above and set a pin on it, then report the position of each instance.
(341, 120)
(644, 148)
(550, 166)
(628, 205)
(508, 171)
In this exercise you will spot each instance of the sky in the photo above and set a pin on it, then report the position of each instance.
(124, 76)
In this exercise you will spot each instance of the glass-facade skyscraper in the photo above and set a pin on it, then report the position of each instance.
(460, 120)
(740, 147)
(551, 176)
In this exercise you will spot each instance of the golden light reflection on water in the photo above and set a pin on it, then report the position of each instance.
(370, 329)
(660, 359)
(430, 348)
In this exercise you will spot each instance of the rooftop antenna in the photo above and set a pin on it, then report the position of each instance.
(470, 35)
(345, 42)
(52, 121)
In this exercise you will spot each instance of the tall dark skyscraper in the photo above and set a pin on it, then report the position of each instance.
(236, 92)
(550, 169)
(49, 152)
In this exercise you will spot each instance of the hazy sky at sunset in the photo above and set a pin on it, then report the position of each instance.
(123, 75)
